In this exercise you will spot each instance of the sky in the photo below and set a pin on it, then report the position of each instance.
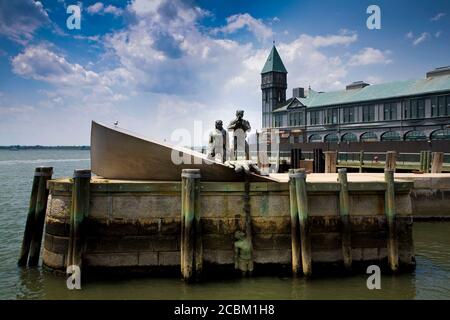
(160, 66)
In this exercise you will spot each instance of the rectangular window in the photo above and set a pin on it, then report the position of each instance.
(434, 109)
(331, 116)
(413, 112)
(390, 111)
(406, 109)
(335, 116)
(441, 106)
(295, 119)
(277, 120)
(314, 117)
(448, 105)
(349, 115)
(368, 113)
(420, 108)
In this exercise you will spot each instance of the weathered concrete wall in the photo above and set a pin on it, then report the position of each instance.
(132, 225)
(430, 196)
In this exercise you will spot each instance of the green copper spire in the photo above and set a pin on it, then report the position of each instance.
(274, 63)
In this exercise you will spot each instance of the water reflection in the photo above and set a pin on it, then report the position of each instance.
(431, 280)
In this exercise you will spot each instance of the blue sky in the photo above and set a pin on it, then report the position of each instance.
(158, 65)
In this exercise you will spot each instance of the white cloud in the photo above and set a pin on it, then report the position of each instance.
(423, 36)
(409, 35)
(101, 9)
(333, 40)
(369, 56)
(71, 80)
(438, 34)
(19, 19)
(240, 21)
(39, 63)
(95, 8)
(438, 16)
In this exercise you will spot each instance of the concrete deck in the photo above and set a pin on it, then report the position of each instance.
(367, 177)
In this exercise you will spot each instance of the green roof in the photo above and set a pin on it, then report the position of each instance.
(392, 90)
(274, 62)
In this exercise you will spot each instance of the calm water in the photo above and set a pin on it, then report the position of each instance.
(431, 280)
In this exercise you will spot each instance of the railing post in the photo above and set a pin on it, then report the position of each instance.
(390, 162)
(295, 228)
(344, 214)
(438, 160)
(330, 161)
(79, 211)
(361, 160)
(44, 174)
(392, 247)
(191, 241)
(428, 161)
(302, 205)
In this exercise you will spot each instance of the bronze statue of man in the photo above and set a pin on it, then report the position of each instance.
(240, 127)
(243, 251)
(218, 144)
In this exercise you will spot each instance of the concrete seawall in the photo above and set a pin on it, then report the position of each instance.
(430, 196)
(137, 223)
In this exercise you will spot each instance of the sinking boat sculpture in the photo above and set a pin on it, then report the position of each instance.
(119, 154)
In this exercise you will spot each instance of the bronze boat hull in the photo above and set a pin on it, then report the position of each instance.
(118, 154)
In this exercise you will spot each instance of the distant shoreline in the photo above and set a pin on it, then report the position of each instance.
(38, 147)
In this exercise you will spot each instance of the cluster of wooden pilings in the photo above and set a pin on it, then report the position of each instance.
(34, 227)
(32, 239)
(429, 161)
(300, 238)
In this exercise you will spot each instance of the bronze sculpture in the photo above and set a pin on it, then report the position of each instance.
(240, 127)
(218, 143)
(243, 249)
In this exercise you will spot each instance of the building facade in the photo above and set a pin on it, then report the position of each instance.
(411, 110)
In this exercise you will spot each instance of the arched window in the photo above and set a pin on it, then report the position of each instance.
(391, 136)
(332, 137)
(349, 137)
(368, 136)
(315, 138)
(415, 136)
(440, 135)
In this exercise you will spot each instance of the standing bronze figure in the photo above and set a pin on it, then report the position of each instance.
(218, 143)
(240, 127)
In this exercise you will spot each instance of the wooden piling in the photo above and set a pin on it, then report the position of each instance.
(390, 162)
(344, 214)
(330, 161)
(295, 228)
(29, 225)
(438, 160)
(392, 247)
(78, 212)
(428, 161)
(192, 251)
(44, 174)
(421, 166)
(361, 160)
(302, 205)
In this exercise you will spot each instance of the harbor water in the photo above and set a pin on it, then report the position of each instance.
(430, 280)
